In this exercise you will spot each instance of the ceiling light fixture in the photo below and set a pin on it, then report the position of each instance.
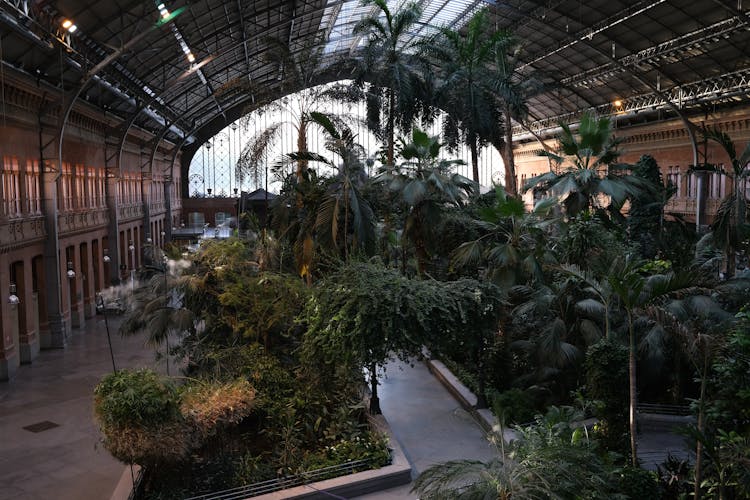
(618, 103)
(68, 25)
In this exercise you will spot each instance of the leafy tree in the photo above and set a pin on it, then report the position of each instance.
(586, 175)
(606, 383)
(646, 224)
(365, 314)
(426, 185)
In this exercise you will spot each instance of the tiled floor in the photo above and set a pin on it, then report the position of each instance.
(65, 462)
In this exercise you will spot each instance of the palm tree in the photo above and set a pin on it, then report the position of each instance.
(336, 216)
(640, 296)
(512, 240)
(550, 459)
(730, 229)
(158, 309)
(388, 63)
(425, 183)
(590, 174)
(463, 58)
(298, 71)
(514, 90)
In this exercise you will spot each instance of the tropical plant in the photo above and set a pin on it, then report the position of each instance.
(337, 218)
(586, 175)
(426, 184)
(298, 68)
(389, 63)
(158, 307)
(473, 116)
(513, 89)
(511, 242)
(647, 296)
(550, 459)
(731, 230)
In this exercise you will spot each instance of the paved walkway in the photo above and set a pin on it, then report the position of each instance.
(64, 462)
(428, 422)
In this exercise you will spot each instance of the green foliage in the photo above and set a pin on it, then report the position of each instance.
(145, 419)
(729, 382)
(135, 398)
(607, 383)
(263, 308)
(588, 174)
(367, 446)
(514, 406)
(550, 459)
(590, 242)
(637, 484)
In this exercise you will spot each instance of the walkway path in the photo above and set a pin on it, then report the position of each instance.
(428, 422)
(65, 461)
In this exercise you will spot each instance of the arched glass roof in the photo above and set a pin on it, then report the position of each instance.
(162, 66)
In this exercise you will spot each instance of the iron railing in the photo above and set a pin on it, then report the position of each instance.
(285, 482)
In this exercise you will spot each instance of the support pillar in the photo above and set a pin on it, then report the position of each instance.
(9, 358)
(58, 327)
(113, 233)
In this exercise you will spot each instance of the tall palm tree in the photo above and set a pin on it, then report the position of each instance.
(389, 62)
(587, 175)
(299, 68)
(464, 91)
(336, 215)
(730, 228)
(514, 90)
(645, 296)
(426, 184)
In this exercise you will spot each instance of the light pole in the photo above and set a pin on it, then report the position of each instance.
(131, 247)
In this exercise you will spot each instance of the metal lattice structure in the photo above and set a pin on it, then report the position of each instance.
(163, 67)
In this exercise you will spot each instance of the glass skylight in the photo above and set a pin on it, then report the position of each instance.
(340, 18)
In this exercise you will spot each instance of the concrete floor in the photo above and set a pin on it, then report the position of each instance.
(65, 462)
(428, 422)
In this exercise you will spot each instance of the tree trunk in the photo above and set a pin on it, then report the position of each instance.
(511, 186)
(301, 146)
(374, 400)
(481, 397)
(474, 159)
(391, 128)
(701, 425)
(632, 391)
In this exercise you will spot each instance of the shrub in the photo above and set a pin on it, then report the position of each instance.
(135, 398)
(638, 484)
(140, 419)
(211, 406)
(607, 383)
(514, 406)
(144, 419)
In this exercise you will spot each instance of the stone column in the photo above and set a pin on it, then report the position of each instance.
(28, 340)
(59, 329)
(9, 358)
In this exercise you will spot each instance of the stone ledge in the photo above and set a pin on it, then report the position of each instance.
(360, 483)
(467, 399)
